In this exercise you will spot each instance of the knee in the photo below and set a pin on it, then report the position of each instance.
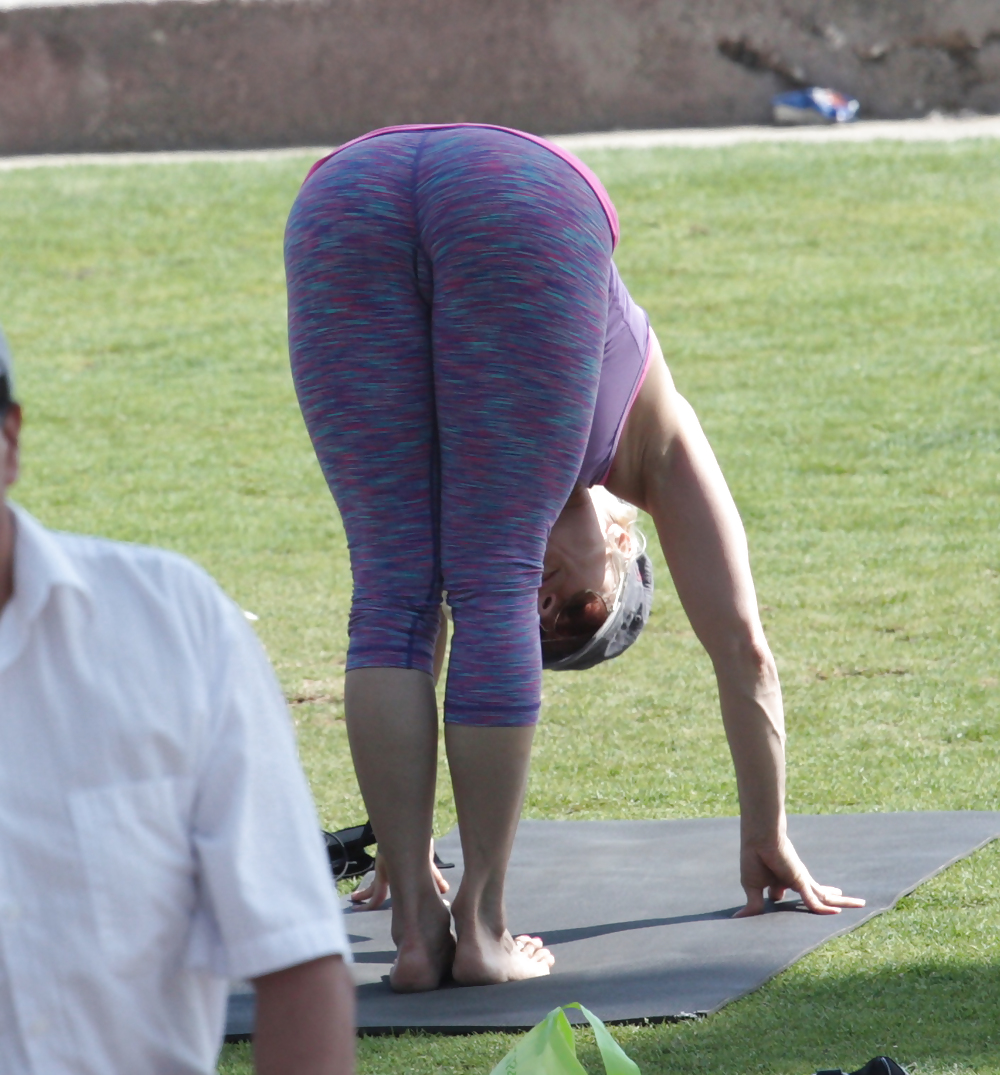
(494, 675)
(392, 636)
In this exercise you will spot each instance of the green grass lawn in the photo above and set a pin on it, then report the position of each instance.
(832, 314)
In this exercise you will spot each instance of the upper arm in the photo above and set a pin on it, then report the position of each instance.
(264, 873)
(668, 468)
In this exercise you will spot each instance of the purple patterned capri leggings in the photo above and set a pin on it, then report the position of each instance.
(447, 301)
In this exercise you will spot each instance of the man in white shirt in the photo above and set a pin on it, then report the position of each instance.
(157, 836)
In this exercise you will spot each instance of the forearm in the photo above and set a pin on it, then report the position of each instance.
(665, 465)
(705, 546)
(305, 1020)
(750, 698)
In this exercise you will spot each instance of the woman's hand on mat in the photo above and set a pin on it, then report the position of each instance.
(376, 893)
(779, 868)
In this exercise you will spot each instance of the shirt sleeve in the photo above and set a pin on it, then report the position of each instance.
(267, 898)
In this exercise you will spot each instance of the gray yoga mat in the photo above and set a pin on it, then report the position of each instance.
(638, 915)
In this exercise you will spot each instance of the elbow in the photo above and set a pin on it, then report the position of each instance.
(756, 654)
(746, 658)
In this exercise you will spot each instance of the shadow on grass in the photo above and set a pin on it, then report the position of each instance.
(934, 1017)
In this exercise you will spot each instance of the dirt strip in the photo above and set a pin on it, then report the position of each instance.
(933, 129)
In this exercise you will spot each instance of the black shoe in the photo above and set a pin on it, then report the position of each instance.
(879, 1065)
(346, 849)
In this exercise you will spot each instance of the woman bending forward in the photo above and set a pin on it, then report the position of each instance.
(472, 370)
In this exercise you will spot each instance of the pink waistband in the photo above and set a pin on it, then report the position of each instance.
(595, 184)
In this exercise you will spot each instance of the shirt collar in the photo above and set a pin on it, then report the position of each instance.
(41, 565)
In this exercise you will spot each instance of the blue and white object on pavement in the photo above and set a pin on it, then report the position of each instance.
(814, 105)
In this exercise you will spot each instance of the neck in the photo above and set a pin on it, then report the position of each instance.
(6, 553)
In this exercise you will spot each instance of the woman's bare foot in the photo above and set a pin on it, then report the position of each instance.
(489, 772)
(424, 954)
(482, 958)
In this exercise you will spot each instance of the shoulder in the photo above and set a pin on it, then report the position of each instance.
(104, 559)
(126, 581)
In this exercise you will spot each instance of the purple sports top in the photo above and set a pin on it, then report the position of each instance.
(627, 337)
(627, 342)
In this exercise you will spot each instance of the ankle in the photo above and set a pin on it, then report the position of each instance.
(416, 910)
(478, 916)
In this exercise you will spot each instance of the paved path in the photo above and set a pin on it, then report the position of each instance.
(933, 129)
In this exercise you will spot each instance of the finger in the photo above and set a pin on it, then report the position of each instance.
(826, 899)
(814, 901)
(754, 904)
(837, 899)
(439, 880)
(442, 884)
(377, 894)
(777, 892)
(836, 895)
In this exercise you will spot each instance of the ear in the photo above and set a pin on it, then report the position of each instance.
(10, 433)
(620, 537)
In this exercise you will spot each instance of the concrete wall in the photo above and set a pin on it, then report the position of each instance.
(225, 73)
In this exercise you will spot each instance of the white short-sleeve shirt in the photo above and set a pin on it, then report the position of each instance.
(157, 835)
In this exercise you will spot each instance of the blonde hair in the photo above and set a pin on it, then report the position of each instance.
(620, 517)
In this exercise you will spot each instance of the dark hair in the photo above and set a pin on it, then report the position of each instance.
(578, 621)
(5, 397)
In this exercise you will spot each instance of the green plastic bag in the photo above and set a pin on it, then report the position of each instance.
(549, 1049)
